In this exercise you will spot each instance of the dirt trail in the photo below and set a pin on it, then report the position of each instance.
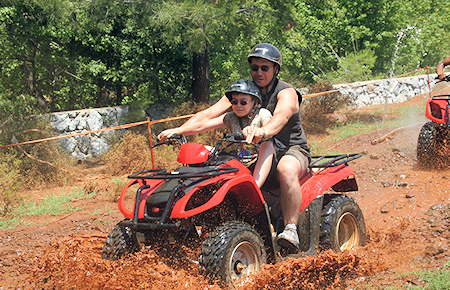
(407, 212)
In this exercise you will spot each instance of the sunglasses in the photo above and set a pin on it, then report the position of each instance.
(242, 102)
(264, 68)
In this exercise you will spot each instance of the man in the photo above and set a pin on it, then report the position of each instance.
(292, 152)
(440, 68)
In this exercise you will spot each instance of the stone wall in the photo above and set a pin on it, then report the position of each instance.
(89, 145)
(379, 92)
(84, 146)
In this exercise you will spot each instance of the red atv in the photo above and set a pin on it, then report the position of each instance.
(213, 199)
(433, 145)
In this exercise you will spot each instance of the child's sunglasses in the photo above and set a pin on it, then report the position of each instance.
(243, 102)
(264, 68)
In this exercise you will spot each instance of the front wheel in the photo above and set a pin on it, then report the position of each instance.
(119, 243)
(426, 143)
(342, 225)
(232, 251)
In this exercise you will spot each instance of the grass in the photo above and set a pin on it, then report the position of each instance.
(50, 205)
(359, 124)
(9, 223)
(434, 280)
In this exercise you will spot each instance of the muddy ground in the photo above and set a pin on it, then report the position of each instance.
(406, 209)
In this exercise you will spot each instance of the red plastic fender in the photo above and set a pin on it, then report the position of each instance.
(248, 194)
(323, 180)
(439, 108)
(154, 183)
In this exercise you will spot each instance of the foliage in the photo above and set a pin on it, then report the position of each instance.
(130, 155)
(61, 55)
(354, 67)
(316, 112)
(31, 161)
(9, 183)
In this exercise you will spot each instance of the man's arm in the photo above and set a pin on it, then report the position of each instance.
(440, 68)
(199, 119)
(287, 105)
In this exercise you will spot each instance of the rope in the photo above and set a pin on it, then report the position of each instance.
(96, 131)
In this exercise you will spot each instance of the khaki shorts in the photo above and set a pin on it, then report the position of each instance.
(302, 155)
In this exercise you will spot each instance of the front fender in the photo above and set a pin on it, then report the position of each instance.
(144, 195)
(246, 192)
(340, 178)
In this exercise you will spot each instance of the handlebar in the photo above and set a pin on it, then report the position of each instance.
(239, 137)
(175, 138)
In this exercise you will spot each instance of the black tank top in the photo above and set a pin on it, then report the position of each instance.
(292, 133)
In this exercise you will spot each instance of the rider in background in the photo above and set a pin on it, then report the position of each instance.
(245, 99)
(440, 68)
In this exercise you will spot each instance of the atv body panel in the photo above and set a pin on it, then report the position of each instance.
(438, 109)
(340, 178)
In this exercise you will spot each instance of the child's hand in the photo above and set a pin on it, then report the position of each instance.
(166, 134)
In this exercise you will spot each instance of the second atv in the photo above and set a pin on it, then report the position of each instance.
(213, 198)
(433, 145)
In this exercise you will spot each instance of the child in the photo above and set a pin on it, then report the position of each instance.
(245, 100)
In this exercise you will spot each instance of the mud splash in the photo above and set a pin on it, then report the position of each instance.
(329, 270)
(75, 262)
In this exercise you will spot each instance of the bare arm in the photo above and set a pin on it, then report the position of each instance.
(199, 120)
(440, 68)
(287, 105)
(193, 128)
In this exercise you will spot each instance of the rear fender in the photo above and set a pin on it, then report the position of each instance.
(246, 192)
(153, 183)
(339, 178)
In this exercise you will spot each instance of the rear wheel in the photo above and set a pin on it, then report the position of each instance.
(119, 243)
(342, 225)
(232, 251)
(426, 145)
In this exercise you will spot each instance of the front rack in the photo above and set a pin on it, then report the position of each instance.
(163, 174)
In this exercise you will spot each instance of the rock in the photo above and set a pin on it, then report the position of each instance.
(410, 194)
(432, 251)
(374, 156)
(385, 208)
(402, 184)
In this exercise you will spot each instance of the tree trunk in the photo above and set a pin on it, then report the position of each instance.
(119, 95)
(31, 84)
(200, 75)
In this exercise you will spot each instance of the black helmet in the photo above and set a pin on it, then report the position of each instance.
(244, 87)
(266, 51)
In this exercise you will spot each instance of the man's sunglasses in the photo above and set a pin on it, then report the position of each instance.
(264, 68)
(243, 102)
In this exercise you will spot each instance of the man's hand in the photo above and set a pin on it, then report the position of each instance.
(253, 134)
(442, 76)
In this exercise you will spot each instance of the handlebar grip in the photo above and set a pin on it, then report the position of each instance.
(239, 136)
